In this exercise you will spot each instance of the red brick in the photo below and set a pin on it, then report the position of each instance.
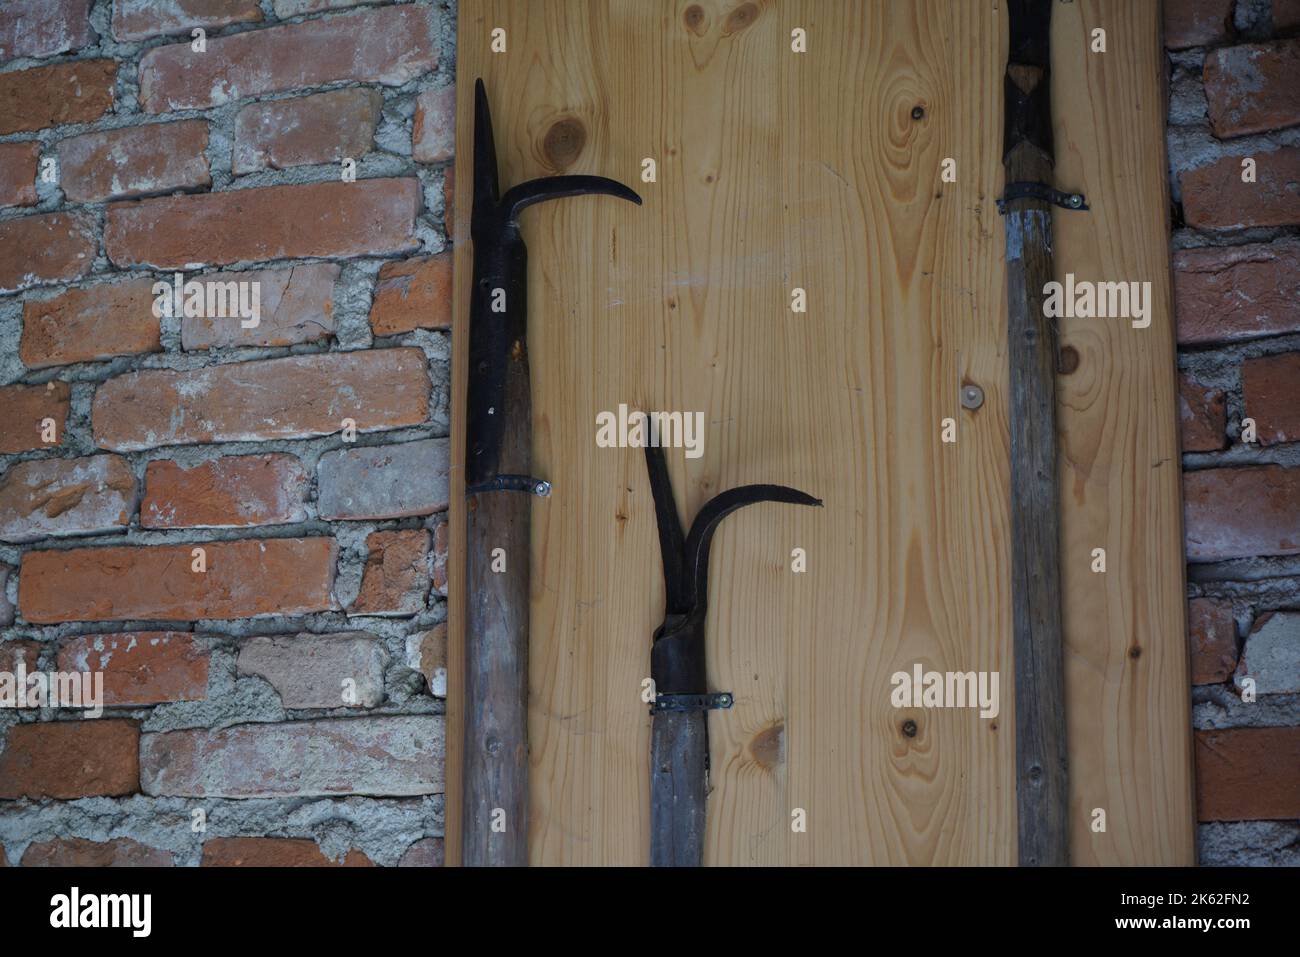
(426, 652)
(388, 756)
(18, 164)
(135, 161)
(52, 247)
(318, 671)
(1271, 388)
(13, 653)
(274, 852)
(1286, 15)
(1223, 294)
(55, 497)
(39, 28)
(391, 46)
(294, 304)
(1253, 87)
(142, 19)
(434, 137)
(46, 96)
(1213, 634)
(90, 323)
(26, 407)
(1214, 197)
(426, 852)
(78, 852)
(309, 395)
(396, 576)
(141, 667)
(1242, 512)
(1203, 414)
(441, 535)
(412, 294)
(1197, 23)
(230, 492)
(71, 759)
(366, 218)
(244, 579)
(323, 128)
(1248, 774)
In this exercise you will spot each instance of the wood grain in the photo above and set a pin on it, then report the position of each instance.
(779, 170)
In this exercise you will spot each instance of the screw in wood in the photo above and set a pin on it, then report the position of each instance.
(972, 396)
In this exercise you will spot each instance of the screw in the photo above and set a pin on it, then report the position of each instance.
(909, 728)
(1076, 200)
(918, 112)
(972, 396)
(542, 489)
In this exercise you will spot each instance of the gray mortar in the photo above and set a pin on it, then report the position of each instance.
(1250, 843)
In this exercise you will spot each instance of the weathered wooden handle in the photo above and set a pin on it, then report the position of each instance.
(679, 756)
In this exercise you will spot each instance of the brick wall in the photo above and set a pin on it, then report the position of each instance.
(290, 690)
(1234, 96)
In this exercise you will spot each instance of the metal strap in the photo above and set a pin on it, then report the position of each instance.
(1041, 191)
(721, 700)
(513, 483)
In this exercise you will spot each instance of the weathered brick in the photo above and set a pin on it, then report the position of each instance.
(391, 46)
(1252, 88)
(56, 497)
(142, 19)
(71, 759)
(6, 606)
(90, 323)
(368, 217)
(1214, 197)
(39, 28)
(389, 756)
(244, 579)
(412, 294)
(441, 537)
(274, 852)
(141, 667)
(51, 247)
(1248, 774)
(1203, 415)
(46, 96)
(1223, 294)
(27, 409)
(426, 652)
(18, 163)
(1213, 636)
(1197, 23)
(19, 651)
(135, 161)
(384, 481)
(434, 137)
(322, 128)
(426, 852)
(292, 8)
(229, 492)
(1286, 14)
(1271, 655)
(1242, 512)
(318, 671)
(294, 304)
(396, 577)
(78, 852)
(295, 397)
(1271, 388)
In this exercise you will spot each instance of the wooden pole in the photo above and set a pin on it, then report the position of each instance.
(1042, 788)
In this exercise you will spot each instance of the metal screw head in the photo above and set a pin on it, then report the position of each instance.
(1076, 201)
(724, 701)
(918, 112)
(972, 396)
(542, 489)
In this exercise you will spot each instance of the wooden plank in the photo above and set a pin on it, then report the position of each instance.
(779, 170)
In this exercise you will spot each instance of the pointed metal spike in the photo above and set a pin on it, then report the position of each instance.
(486, 188)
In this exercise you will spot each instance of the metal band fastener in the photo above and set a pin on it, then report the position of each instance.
(718, 701)
(1041, 191)
(513, 483)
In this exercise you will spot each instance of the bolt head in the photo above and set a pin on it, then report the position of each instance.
(972, 396)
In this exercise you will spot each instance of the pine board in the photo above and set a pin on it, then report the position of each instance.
(778, 170)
